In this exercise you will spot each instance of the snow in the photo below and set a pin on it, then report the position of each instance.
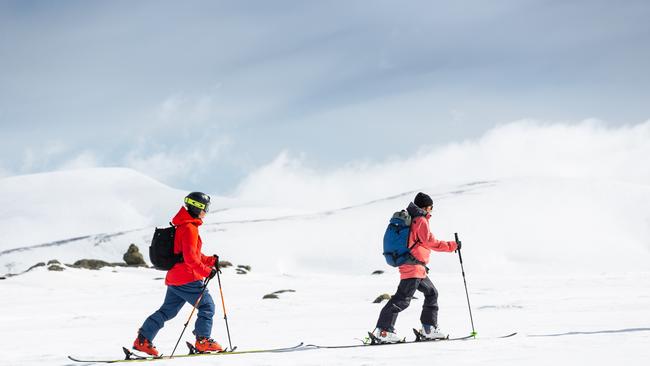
(561, 259)
(94, 313)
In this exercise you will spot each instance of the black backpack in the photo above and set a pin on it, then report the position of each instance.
(161, 251)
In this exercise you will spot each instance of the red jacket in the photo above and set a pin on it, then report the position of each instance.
(427, 242)
(195, 265)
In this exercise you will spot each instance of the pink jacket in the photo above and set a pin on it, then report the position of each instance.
(426, 243)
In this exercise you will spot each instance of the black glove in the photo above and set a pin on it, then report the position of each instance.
(458, 245)
(216, 263)
(212, 273)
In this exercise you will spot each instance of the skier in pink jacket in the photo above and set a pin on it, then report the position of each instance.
(414, 277)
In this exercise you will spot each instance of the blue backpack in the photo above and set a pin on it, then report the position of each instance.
(396, 239)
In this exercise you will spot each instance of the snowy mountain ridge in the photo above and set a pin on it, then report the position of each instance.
(566, 224)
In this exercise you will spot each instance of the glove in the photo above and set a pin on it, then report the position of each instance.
(216, 263)
(212, 273)
(458, 246)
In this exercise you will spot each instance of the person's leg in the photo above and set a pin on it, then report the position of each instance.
(170, 307)
(397, 303)
(203, 324)
(429, 316)
(190, 293)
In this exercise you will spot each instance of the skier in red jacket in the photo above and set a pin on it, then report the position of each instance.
(185, 280)
(414, 276)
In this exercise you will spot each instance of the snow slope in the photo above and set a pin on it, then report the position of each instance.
(54, 206)
(596, 319)
(511, 226)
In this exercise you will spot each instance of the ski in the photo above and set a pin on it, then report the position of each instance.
(418, 339)
(368, 342)
(132, 357)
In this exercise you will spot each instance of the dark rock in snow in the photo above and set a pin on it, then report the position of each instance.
(381, 298)
(283, 291)
(133, 257)
(274, 295)
(224, 264)
(243, 269)
(55, 267)
(39, 264)
(91, 264)
(378, 272)
(53, 261)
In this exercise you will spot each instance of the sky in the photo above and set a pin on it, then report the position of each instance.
(204, 95)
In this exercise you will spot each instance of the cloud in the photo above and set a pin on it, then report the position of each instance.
(86, 159)
(589, 149)
(317, 80)
(187, 164)
(183, 109)
(4, 172)
(40, 157)
(56, 155)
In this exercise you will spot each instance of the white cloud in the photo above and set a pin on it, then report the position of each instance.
(589, 149)
(176, 164)
(186, 109)
(36, 158)
(4, 172)
(84, 160)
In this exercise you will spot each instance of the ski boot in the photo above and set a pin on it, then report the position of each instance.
(142, 344)
(380, 336)
(430, 333)
(205, 344)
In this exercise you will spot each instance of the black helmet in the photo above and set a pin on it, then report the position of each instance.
(196, 202)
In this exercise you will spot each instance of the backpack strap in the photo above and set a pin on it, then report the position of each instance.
(179, 255)
(417, 241)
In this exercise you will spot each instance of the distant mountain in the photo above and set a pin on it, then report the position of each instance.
(557, 225)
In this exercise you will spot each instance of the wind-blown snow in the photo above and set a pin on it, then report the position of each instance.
(587, 150)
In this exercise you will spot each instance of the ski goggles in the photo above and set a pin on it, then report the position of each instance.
(200, 205)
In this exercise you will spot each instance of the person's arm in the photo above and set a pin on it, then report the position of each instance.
(209, 261)
(422, 232)
(191, 255)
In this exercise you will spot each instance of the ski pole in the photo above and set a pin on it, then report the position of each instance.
(196, 304)
(223, 305)
(465, 282)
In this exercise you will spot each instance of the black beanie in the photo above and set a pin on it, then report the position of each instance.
(422, 200)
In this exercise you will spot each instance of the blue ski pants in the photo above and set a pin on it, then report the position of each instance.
(175, 298)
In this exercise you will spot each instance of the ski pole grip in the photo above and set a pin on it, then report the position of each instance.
(456, 237)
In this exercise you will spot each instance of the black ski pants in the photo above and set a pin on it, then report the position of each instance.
(402, 299)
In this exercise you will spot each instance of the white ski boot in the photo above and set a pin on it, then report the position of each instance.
(434, 333)
(384, 336)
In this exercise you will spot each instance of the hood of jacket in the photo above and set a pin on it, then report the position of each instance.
(184, 217)
(415, 211)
